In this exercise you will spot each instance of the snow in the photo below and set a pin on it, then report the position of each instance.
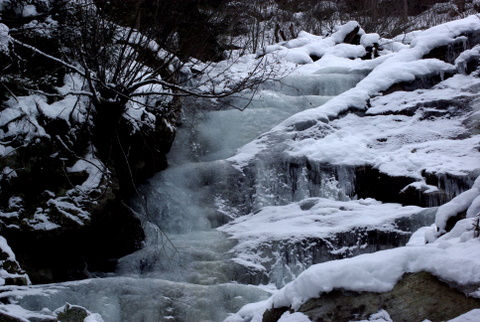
(412, 144)
(342, 31)
(251, 311)
(324, 219)
(94, 317)
(465, 57)
(23, 314)
(29, 10)
(380, 316)
(379, 272)
(398, 134)
(369, 40)
(91, 317)
(8, 264)
(301, 49)
(95, 169)
(459, 204)
(420, 145)
(471, 316)
(6, 249)
(474, 208)
(294, 317)
(69, 210)
(41, 221)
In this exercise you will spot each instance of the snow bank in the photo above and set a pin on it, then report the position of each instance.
(401, 135)
(404, 66)
(452, 257)
(311, 218)
(294, 317)
(351, 147)
(472, 316)
(456, 262)
(305, 46)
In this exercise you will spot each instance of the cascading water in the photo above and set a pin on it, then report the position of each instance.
(201, 191)
(185, 272)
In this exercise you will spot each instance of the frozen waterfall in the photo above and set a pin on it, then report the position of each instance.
(187, 270)
(201, 190)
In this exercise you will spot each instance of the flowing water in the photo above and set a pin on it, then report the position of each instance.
(185, 271)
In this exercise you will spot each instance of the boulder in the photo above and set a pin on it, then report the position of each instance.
(416, 297)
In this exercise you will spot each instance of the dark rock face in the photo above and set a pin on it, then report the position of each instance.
(90, 229)
(371, 183)
(416, 297)
(13, 274)
(68, 254)
(65, 179)
(102, 229)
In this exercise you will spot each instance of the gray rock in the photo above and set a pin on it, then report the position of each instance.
(416, 297)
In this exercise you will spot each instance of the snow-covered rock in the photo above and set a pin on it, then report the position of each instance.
(415, 122)
(10, 271)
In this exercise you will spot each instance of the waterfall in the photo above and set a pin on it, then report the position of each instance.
(186, 271)
(201, 190)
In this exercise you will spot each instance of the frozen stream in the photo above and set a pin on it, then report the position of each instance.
(189, 275)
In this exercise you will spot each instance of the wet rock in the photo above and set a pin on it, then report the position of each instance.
(353, 37)
(450, 52)
(60, 255)
(72, 313)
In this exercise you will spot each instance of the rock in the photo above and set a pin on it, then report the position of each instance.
(416, 297)
(274, 315)
(5, 317)
(10, 270)
(371, 183)
(72, 313)
(353, 37)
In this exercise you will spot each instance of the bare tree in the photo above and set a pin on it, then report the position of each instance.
(122, 65)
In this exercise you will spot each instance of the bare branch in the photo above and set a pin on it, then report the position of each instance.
(38, 51)
(78, 93)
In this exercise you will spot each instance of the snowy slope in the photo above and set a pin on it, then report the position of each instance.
(392, 67)
(403, 126)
